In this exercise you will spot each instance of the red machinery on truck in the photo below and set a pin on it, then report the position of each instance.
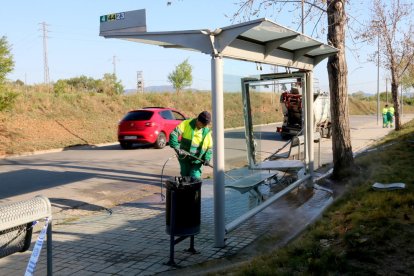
(291, 102)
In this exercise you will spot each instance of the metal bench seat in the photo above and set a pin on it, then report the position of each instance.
(251, 182)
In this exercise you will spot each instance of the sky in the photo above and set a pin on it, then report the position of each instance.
(74, 47)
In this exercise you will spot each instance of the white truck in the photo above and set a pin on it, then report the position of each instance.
(292, 114)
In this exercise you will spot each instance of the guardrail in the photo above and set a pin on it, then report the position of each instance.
(16, 224)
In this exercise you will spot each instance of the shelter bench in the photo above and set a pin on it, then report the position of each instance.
(251, 183)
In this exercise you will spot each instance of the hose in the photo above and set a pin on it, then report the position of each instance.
(192, 156)
(178, 157)
(287, 143)
(162, 174)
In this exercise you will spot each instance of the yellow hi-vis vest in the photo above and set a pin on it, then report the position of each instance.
(197, 142)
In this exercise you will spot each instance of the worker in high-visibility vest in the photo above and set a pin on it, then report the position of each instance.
(195, 148)
(385, 116)
(390, 116)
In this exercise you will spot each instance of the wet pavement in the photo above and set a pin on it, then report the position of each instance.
(130, 239)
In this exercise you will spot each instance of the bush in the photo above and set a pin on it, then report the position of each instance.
(7, 99)
(60, 87)
(409, 101)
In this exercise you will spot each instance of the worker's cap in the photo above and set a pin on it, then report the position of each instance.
(204, 117)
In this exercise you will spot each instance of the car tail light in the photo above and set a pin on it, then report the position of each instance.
(150, 124)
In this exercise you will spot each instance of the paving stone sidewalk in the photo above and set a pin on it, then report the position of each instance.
(131, 240)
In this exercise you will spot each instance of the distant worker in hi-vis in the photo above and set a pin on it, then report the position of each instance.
(385, 116)
(195, 147)
(390, 116)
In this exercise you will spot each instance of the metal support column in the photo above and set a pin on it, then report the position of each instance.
(305, 123)
(218, 147)
(310, 156)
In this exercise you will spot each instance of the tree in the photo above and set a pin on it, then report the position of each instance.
(407, 80)
(337, 70)
(6, 59)
(110, 85)
(181, 76)
(19, 82)
(60, 86)
(360, 95)
(83, 83)
(343, 158)
(391, 22)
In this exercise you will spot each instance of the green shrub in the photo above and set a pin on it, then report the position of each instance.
(7, 99)
(60, 87)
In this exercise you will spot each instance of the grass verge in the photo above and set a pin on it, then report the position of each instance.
(366, 231)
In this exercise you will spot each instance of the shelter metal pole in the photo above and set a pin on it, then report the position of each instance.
(304, 122)
(218, 148)
(309, 123)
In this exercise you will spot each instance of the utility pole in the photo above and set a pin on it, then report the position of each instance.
(378, 66)
(140, 82)
(386, 90)
(46, 78)
(401, 100)
(303, 16)
(377, 22)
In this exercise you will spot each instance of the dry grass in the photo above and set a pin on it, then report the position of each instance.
(41, 120)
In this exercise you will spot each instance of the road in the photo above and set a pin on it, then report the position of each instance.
(85, 179)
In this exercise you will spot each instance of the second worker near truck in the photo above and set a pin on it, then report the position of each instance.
(388, 116)
(196, 140)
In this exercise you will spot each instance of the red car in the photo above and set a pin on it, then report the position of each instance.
(149, 125)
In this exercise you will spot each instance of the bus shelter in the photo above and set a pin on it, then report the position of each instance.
(261, 41)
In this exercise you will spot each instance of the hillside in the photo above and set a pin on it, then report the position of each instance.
(41, 120)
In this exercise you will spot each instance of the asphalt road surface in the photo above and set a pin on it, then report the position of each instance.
(81, 180)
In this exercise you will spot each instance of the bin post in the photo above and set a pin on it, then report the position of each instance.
(49, 250)
(172, 226)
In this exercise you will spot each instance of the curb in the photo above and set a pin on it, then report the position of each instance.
(4, 156)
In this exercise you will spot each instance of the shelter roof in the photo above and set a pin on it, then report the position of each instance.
(261, 41)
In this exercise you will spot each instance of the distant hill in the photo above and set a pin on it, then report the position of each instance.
(231, 83)
(153, 89)
(157, 89)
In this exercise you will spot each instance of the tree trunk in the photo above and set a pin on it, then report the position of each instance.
(395, 99)
(338, 84)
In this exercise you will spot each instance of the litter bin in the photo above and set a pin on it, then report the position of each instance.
(183, 206)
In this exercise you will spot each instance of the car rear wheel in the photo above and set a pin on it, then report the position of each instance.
(161, 141)
(285, 136)
(125, 145)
